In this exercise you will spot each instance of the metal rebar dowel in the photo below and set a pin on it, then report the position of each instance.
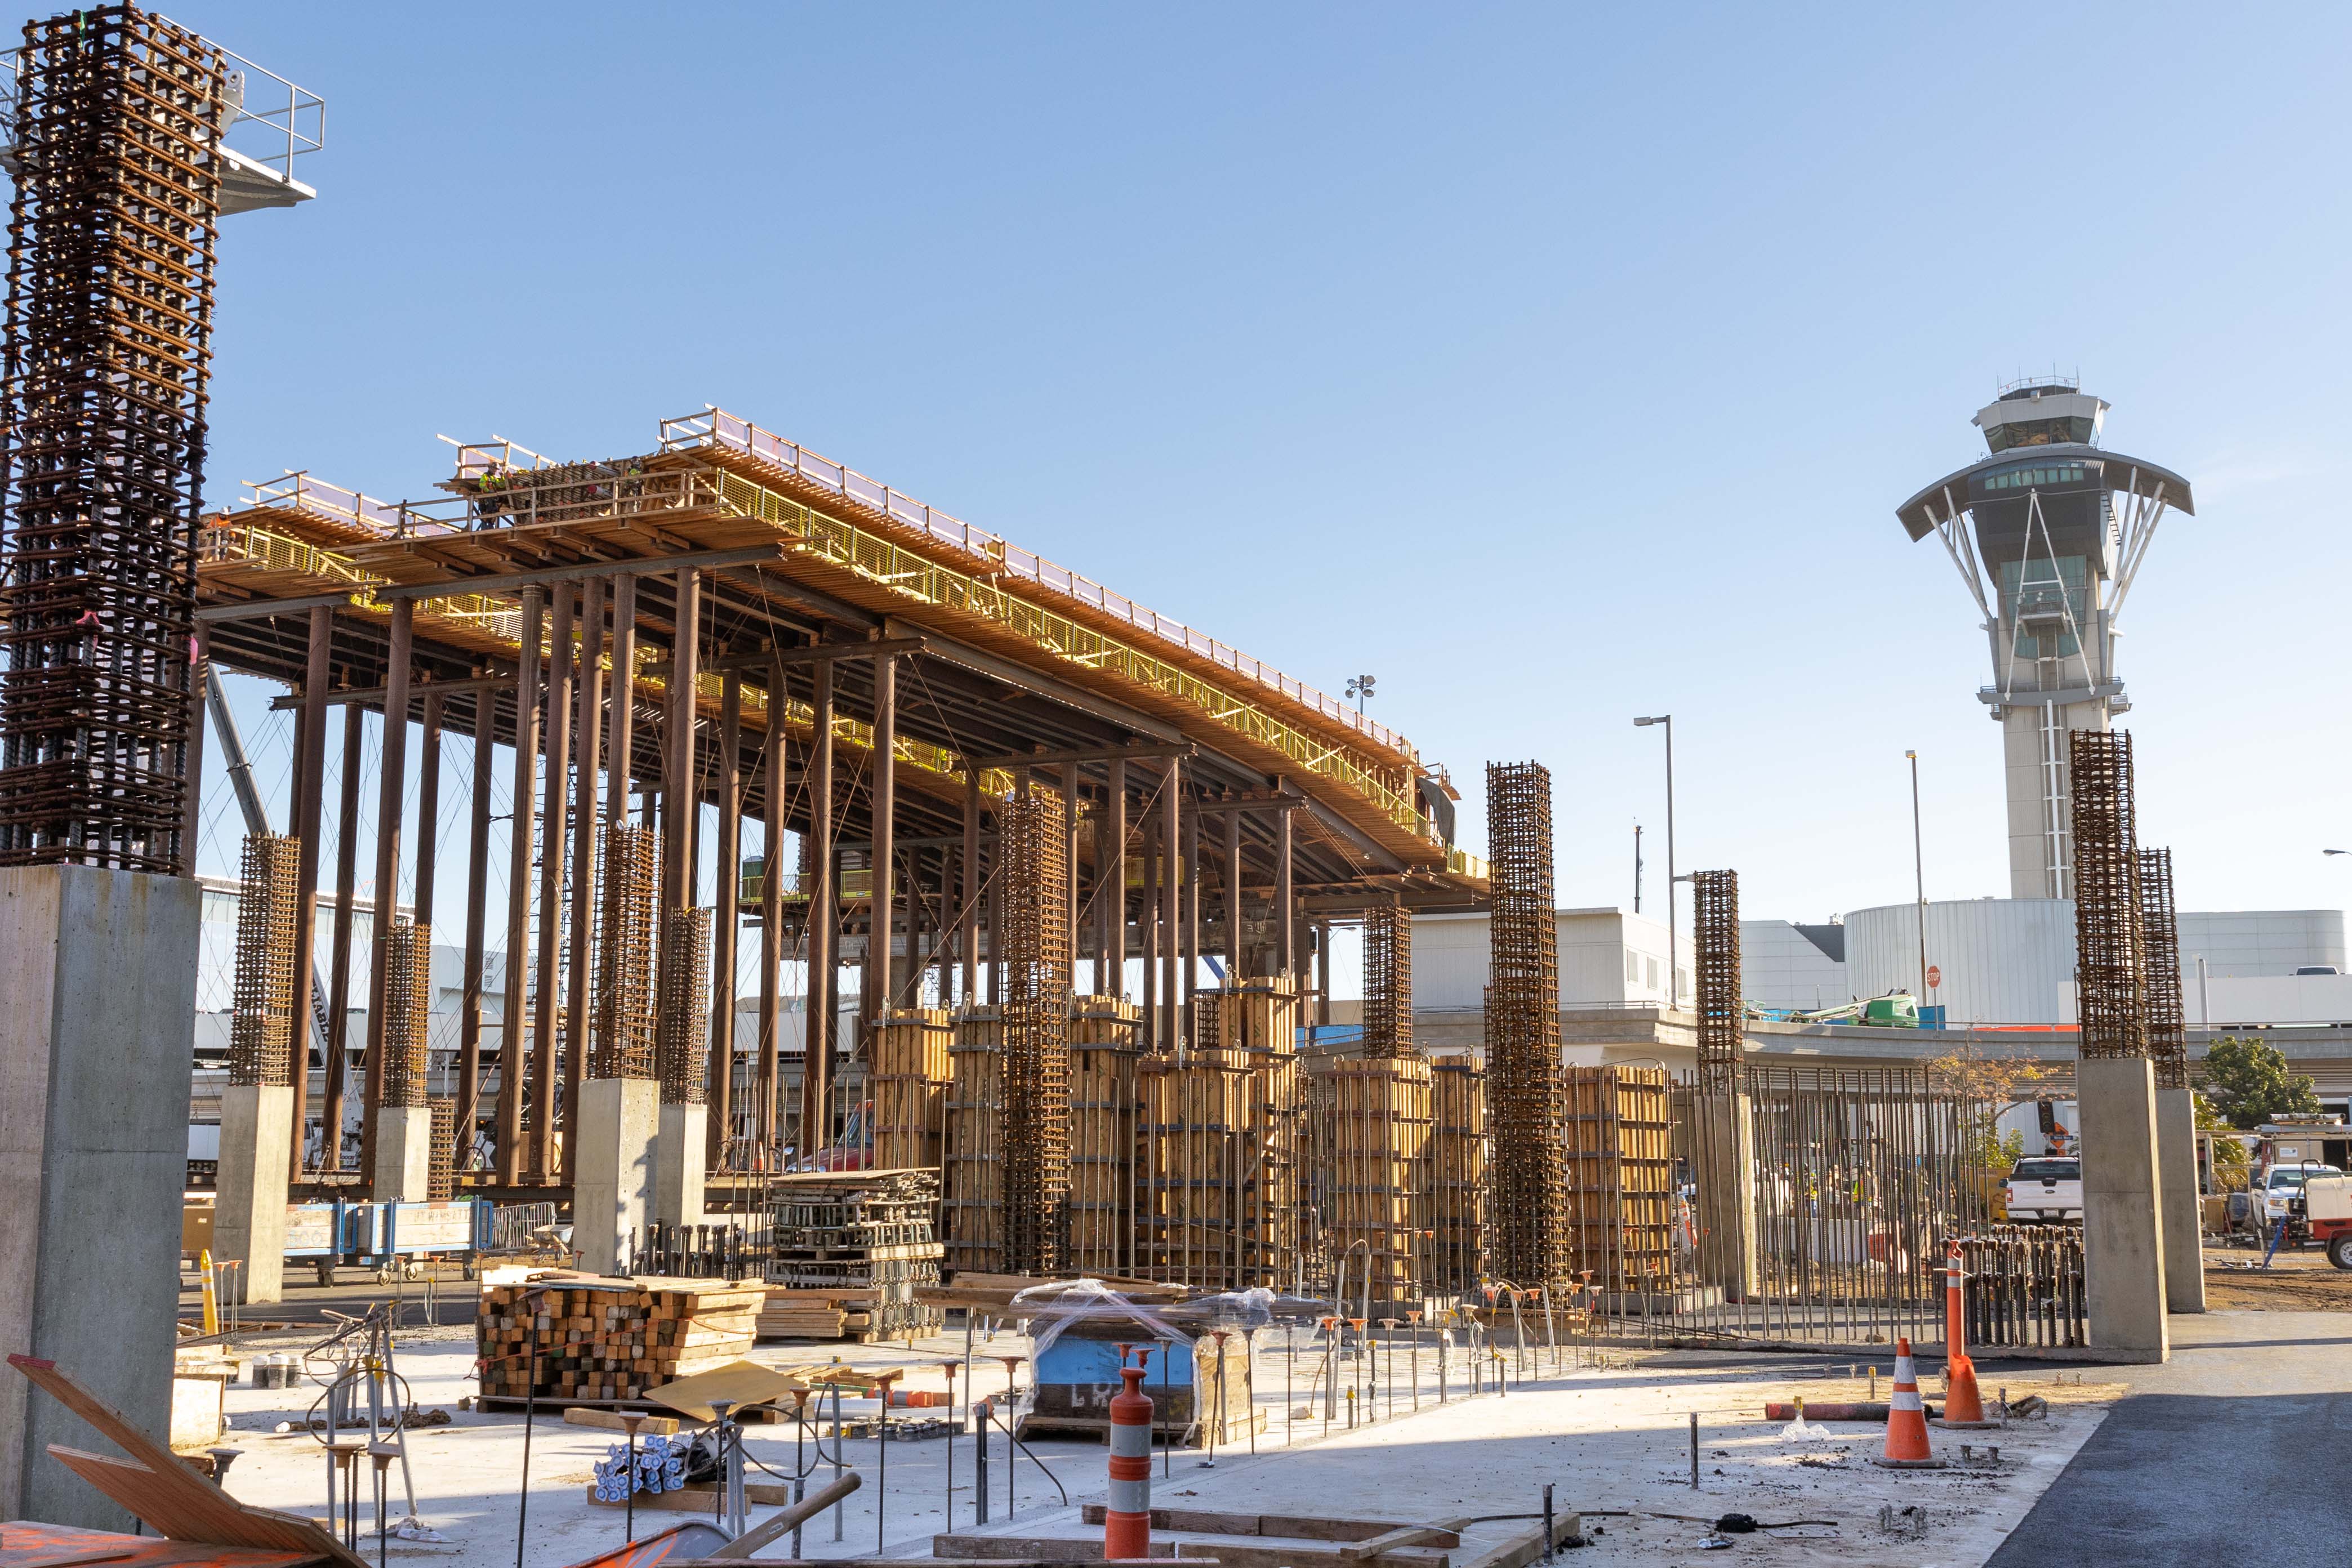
(1548, 1528)
(1694, 1415)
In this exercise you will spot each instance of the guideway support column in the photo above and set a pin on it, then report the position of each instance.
(93, 1157)
(249, 1211)
(2123, 1234)
(613, 1195)
(2184, 1245)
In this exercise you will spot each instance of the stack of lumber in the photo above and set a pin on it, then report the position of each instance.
(815, 1314)
(603, 1339)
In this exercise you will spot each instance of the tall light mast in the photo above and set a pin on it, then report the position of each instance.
(2048, 534)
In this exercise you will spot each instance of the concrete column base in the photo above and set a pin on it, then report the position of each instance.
(2184, 1237)
(249, 1208)
(613, 1167)
(2123, 1231)
(403, 1154)
(1726, 1198)
(98, 968)
(677, 1174)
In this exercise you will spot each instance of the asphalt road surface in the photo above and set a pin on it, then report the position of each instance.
(2233, 1452)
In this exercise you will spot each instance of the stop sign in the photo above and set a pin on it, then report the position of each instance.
(1934, 976)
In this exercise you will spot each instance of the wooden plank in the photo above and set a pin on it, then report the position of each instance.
(648, 1425)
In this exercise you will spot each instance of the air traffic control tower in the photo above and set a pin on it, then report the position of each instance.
(2048, 533)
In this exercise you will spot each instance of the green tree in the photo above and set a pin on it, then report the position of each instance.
(2231, 1165)
(2248, 1082)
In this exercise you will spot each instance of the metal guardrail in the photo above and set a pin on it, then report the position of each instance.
(716, 428)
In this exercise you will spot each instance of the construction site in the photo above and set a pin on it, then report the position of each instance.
(889, 1089)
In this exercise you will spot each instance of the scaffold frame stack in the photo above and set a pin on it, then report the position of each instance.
(1527, 1234)
(2108, 968)
(626, 1025)
(115, 156)
(1036, 1009)
(262, 1025)
(2168, 1028)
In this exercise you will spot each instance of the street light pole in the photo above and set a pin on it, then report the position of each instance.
(1919, 876)
(1674, 984)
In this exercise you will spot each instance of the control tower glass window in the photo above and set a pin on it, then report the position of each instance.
(2043, 600)
(2041, 477)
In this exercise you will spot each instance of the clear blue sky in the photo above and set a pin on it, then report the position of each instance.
(1554, 365)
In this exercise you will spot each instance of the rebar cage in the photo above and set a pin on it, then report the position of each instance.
(1035, 1010)
(117, 130)
(1526, 1232)
(2168, 1030)
(2108, 967)
(261, 1027)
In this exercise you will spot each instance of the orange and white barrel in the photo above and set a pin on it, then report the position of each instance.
(1127, 1522)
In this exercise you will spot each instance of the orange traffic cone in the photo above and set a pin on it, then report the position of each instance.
(1963, 1405)
(1907, 1420)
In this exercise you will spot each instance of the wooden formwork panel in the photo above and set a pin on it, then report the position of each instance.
(1104, 1113)
(1619, 1150)
(1457, 1181)
(973, 1202)
(1203, 1146)
(909, 1075)
(1371, 1173)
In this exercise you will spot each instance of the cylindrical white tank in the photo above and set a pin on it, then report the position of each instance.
(2001, 960)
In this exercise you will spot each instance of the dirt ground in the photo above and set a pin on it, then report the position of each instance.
(2298, 1281)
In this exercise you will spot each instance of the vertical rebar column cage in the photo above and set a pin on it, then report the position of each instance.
(407, 1012)
(624, 1041)
(261, 1027)
(1388, 981)
(1036, 1009)
(2168, 1028)
(682, 1035)
(1526, 1237)
(2107, 959)
(115, 156)
(1722, 1022)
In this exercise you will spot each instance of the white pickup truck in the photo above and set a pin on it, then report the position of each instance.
(2044, 1187)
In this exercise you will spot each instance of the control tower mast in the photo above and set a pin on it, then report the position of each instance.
(2048, 534)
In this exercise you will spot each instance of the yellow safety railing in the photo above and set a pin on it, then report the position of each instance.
(905, 573)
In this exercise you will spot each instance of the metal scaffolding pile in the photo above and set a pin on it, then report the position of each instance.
(407, 1014)
(116, 157)
(261, 1027)
(907, 1074)
(1035, 1007)
(2107, 939)
(626, 1025)
(2168, 1037)
(1526, 1237)
(681, 1045)
(1105, 1032)
(1388, 981)
(1722, 1019)
(1457, 1175)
